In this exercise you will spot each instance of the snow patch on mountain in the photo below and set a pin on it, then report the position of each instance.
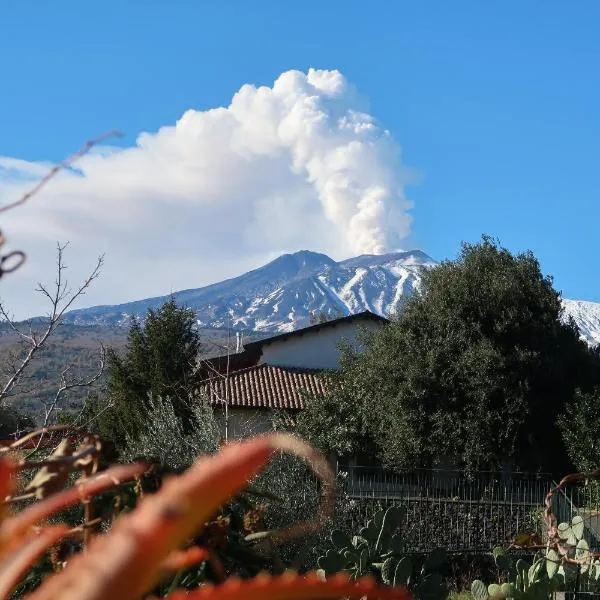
(587, 316)
(284, 294)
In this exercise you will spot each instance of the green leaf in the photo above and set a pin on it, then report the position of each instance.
(340, 539)
(378, 518)
(479, 590)
(363, 561)
(552, 562)
(332, 562)
(502, 559)
(570, 572)
(534, 571)
(392, 519)
(495, 591)
(431, 587)
(370, 532)
(351, 556)
(359, 541)
(387, 571)
(582, 549)
(403, 571)
(564, 531)
(578, 526)
(522, 566)
(522, 577)
(397, 544)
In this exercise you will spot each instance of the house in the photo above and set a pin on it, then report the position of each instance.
(274, 374)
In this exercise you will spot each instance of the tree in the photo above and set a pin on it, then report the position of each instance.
(17, 376)
(580, 427)
(475, 371)
(61, 298)
(161, 361)
(163, 439)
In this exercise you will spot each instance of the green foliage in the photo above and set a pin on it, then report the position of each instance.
(580, 428)
(11, 421)
(548, 572)
(163, 439)
(288, 493)
(378, 550)
(525, 581)
(475, 370)
(160, 361)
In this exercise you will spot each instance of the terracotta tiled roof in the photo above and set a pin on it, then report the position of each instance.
(266, 386)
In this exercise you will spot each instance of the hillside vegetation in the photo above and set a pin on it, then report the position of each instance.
(78, 348)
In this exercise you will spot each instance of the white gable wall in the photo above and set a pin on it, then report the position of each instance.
(315, 349)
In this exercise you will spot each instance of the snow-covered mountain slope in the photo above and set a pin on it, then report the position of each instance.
(587, 317)
(283, 294)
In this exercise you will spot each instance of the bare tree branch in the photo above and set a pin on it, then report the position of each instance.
(65, 386)
(61, 299)
(12, 325)
(13, 260)
(65, 164)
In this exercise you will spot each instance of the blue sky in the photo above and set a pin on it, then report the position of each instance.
(494, 104)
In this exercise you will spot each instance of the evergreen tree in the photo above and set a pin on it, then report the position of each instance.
(474, 371)
(160, 362)
(580, 426)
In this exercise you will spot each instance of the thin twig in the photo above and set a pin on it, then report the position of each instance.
(65, 386)
(554, 539)
(65, 164)
(39, 432)
(62, 460)
(61, 299)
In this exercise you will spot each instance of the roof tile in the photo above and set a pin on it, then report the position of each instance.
(265, 386)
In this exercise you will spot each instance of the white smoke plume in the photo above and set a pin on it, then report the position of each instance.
(297, 165)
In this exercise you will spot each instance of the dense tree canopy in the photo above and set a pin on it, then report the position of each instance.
(160, 362)
(474, 371)
(580, 426)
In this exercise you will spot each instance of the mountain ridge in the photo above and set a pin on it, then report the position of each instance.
(285, 293)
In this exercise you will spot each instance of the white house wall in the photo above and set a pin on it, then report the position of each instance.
(315, 349)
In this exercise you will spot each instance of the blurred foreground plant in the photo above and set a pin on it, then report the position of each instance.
(144, 546)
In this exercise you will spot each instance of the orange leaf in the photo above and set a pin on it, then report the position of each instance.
(16, 565)
(7, 472)
(184, 559)
(12, 530)
(291, 586)
(126, 563)
(6, 478)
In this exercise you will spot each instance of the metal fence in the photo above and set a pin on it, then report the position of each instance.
(446, 508)
(582, 499)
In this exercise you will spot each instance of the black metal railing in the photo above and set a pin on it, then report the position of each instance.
(448, 508)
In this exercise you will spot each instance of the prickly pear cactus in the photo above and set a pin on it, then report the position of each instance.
(379, 550)
(548, 572)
